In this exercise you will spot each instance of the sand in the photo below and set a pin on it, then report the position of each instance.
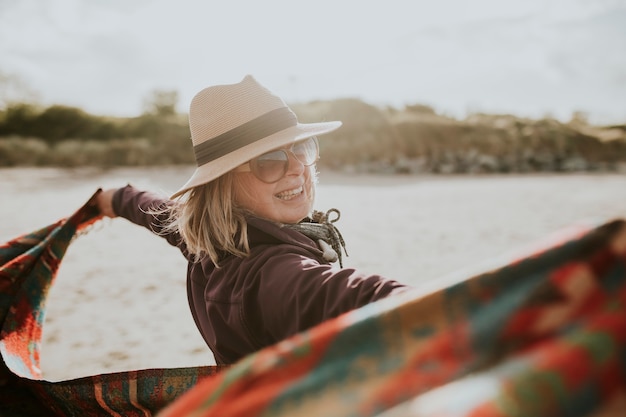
(119, 300)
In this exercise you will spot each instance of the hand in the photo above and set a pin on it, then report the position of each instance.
(104, 202)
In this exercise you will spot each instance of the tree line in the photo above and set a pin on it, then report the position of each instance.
(415, 139)
(58, 135)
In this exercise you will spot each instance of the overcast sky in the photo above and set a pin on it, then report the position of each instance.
(527, 57)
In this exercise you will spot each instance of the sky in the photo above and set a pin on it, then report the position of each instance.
(531, 58)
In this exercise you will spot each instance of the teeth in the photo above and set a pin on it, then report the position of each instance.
(286, 195)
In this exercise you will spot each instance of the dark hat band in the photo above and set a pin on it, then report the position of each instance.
(263, 126)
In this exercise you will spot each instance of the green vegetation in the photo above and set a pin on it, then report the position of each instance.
(417, 140)
(68, 137)
(411, 140)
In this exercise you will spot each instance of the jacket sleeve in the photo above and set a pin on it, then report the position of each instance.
(136, 206)
(296, 293)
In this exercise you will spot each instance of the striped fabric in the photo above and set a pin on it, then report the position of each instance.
(544, 335)
(28, 265)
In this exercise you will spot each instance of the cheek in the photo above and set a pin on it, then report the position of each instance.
(249, 194)
(243, 192)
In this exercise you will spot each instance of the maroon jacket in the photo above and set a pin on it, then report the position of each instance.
(284, 287)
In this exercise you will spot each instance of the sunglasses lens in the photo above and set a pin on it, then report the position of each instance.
(271, 166)
(306, 151)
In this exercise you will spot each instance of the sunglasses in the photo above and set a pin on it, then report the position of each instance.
(272, 166)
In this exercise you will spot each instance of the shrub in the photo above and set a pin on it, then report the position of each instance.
(19, 151)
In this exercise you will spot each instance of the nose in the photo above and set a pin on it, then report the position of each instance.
(295, 167)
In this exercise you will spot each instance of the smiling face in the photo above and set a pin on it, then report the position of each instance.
(288, 200)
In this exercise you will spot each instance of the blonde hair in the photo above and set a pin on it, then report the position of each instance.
(210, 222)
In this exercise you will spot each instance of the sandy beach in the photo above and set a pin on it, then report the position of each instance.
(119, 301)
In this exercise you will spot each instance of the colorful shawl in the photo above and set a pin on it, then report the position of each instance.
(28, 265)
(544, 335)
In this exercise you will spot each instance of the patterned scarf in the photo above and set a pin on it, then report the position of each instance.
(320, 228)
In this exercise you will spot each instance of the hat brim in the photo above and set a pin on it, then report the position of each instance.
(212, 170)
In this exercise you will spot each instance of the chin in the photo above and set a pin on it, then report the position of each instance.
(293, 219)
(295, 216)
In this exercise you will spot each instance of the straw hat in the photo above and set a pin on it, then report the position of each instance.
(231, 124)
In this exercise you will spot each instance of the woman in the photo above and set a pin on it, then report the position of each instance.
(260, 259)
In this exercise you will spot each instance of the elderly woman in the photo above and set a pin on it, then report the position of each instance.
(261, 260)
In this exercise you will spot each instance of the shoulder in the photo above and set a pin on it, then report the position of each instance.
(131, 198)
